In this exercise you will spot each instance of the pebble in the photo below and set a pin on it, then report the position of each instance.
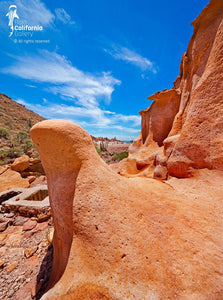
(3, 225)
(1, 263)
(12, 266)
(19, 221)
(30, 251)
(30, 224)
(9, 215)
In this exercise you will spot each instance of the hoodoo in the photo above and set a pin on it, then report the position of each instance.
(123, 238)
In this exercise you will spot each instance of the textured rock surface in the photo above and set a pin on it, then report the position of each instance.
(190, 115)
(20, 163)
(126, 238)
(10, 179)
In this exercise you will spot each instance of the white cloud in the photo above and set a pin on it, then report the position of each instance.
(85, 90)
(64, 79)
(129, 56)
(63, 16)
(90, 118)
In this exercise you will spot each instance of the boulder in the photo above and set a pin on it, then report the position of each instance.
(20, 163)
(11, 179)
(160, 172)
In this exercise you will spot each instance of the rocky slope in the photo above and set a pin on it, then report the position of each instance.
(15, 116)
(15, 123)
(183, 129)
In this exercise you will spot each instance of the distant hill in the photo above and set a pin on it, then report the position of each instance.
(15, 123)
(15, 116)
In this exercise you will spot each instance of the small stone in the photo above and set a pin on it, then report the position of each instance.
(41, 226)
(43, 218)
(1, 263)
(160, 173)
(2, 237)
(51, 222)
(17, 199)
(29, 225)
(3, 226)
(11, 267)
(28, 234)
(9, 215)
(30, 251)
(19, 221)
(31, 178)
(50, 234)
(3, 220)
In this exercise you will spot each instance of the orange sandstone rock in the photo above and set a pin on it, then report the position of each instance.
(188, 119)
(20, 163)
(10, 179)
(124, 238)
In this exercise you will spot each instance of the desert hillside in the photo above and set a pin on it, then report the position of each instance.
(15, 123)
(16, 117)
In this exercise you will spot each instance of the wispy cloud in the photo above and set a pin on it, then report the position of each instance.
(64, 79)
(63, 16)
(85, 91)
(129, 56)
(89, 118)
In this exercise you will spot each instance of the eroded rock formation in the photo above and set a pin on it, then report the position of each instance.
(125, 238)
(183, 128)
(141, 238)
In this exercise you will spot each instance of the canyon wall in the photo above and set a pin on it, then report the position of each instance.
(183, 128)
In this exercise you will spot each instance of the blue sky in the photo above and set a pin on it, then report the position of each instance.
(94, 62)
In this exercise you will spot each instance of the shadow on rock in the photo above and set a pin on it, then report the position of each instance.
(44, 273)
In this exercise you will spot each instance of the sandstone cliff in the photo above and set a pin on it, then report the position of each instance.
(183, 128)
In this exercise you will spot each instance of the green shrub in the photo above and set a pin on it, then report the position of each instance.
(21, 136)
(120, 156)
(98, 150)
(4, 133)
(28, 125)
(28, 145)
(11, 153)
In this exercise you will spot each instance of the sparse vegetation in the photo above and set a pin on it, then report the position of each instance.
(4, 133)
(120, 156)
(98, 150)
(15, 124)
(109, 157)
